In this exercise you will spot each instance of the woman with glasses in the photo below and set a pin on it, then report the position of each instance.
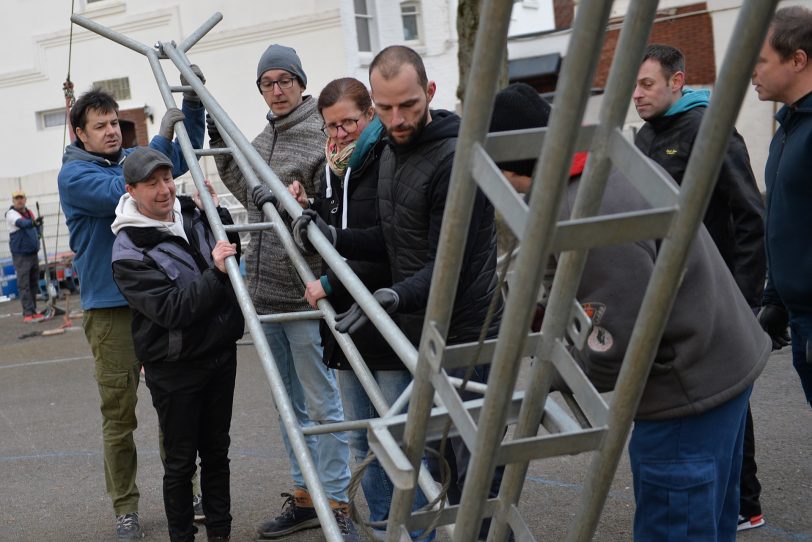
(348, 199)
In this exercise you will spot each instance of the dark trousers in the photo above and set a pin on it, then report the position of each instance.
(686, 474)
(194, 402)
(458, 456)
(800, 327)
(750, 487)
(26, 266)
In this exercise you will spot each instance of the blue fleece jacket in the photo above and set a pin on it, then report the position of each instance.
(89, 190)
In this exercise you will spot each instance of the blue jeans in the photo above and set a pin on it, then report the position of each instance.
(312, 389)
(686, 475)
(800, 327)
(377, 486)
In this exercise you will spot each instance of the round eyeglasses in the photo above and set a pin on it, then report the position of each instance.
(348, 125)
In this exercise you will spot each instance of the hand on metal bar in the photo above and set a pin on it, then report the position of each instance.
(190, 95)
(353, 319)
(261, 194)
(172, 116)
(214, 133)
(300, 230)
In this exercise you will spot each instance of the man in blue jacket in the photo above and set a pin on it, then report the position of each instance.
(91, 183)
(783, 73)
(23, 236)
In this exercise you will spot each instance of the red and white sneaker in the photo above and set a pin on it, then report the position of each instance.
(31, 318)
(750, 523)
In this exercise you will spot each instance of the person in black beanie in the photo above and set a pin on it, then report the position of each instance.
(688, 434)
(518, 107)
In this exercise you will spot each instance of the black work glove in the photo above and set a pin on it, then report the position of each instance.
(261, 195)
(211, 128)
(190, 94)
(774, 319)
(172, 115)
(38, 222)
(353, 319)
(300, 230)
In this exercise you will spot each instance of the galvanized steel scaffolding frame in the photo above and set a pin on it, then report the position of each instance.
(398, 440)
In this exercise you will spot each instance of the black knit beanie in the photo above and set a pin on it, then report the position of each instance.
(517, 107)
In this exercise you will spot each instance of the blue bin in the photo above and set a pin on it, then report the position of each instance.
(9, 286)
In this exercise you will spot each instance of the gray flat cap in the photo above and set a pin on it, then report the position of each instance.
(140, 164)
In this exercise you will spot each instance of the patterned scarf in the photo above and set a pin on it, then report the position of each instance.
(338, 159)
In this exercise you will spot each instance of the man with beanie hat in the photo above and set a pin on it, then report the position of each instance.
(293, 144)
(687, 440)
(519, 107)
(91, 182)
(735, 215)
(23, 238)
(186, 322)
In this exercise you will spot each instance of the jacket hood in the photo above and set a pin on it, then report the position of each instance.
(75, 152)
(128, 216)
(444, 125)
(690, 99)
(368, 138)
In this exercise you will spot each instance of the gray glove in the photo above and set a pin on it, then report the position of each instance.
(211, 128)
(171, 116)
(261, 195)
(300, 230)
(353, 319)
(190, 94)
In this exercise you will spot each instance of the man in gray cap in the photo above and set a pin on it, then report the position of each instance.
(293, 144)
(186, 322)
(90, 185)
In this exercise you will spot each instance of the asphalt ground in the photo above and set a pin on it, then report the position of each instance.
(52, 482)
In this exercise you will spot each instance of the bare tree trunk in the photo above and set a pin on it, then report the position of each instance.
(467, 26)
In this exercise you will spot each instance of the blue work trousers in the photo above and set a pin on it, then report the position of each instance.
(686, 475)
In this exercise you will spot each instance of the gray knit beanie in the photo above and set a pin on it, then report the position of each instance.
(279, 57)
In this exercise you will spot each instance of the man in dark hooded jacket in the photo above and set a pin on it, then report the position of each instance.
(413, 180)
(735, 215)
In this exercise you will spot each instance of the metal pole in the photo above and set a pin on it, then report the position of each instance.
(700, 176)
(633, 37)
(382, 321)
(360, 368)
(201, 31)
(548, 188)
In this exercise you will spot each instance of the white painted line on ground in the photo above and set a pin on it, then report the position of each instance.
(44, 362)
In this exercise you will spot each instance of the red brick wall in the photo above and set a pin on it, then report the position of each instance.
(139, 120)
(564, 11)
(691, 31)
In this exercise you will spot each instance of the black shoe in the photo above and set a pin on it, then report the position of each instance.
(345, 525)
(128, 527)
(197, 503)
(293, 518)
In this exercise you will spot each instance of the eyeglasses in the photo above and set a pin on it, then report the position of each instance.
(266, 85)
(348, 125)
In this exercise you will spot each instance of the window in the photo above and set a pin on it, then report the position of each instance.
(363, 26)
(119, 88)
(51, 118)
(410, 15)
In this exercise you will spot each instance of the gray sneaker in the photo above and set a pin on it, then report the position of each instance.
(197, 503)
(128, 527)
